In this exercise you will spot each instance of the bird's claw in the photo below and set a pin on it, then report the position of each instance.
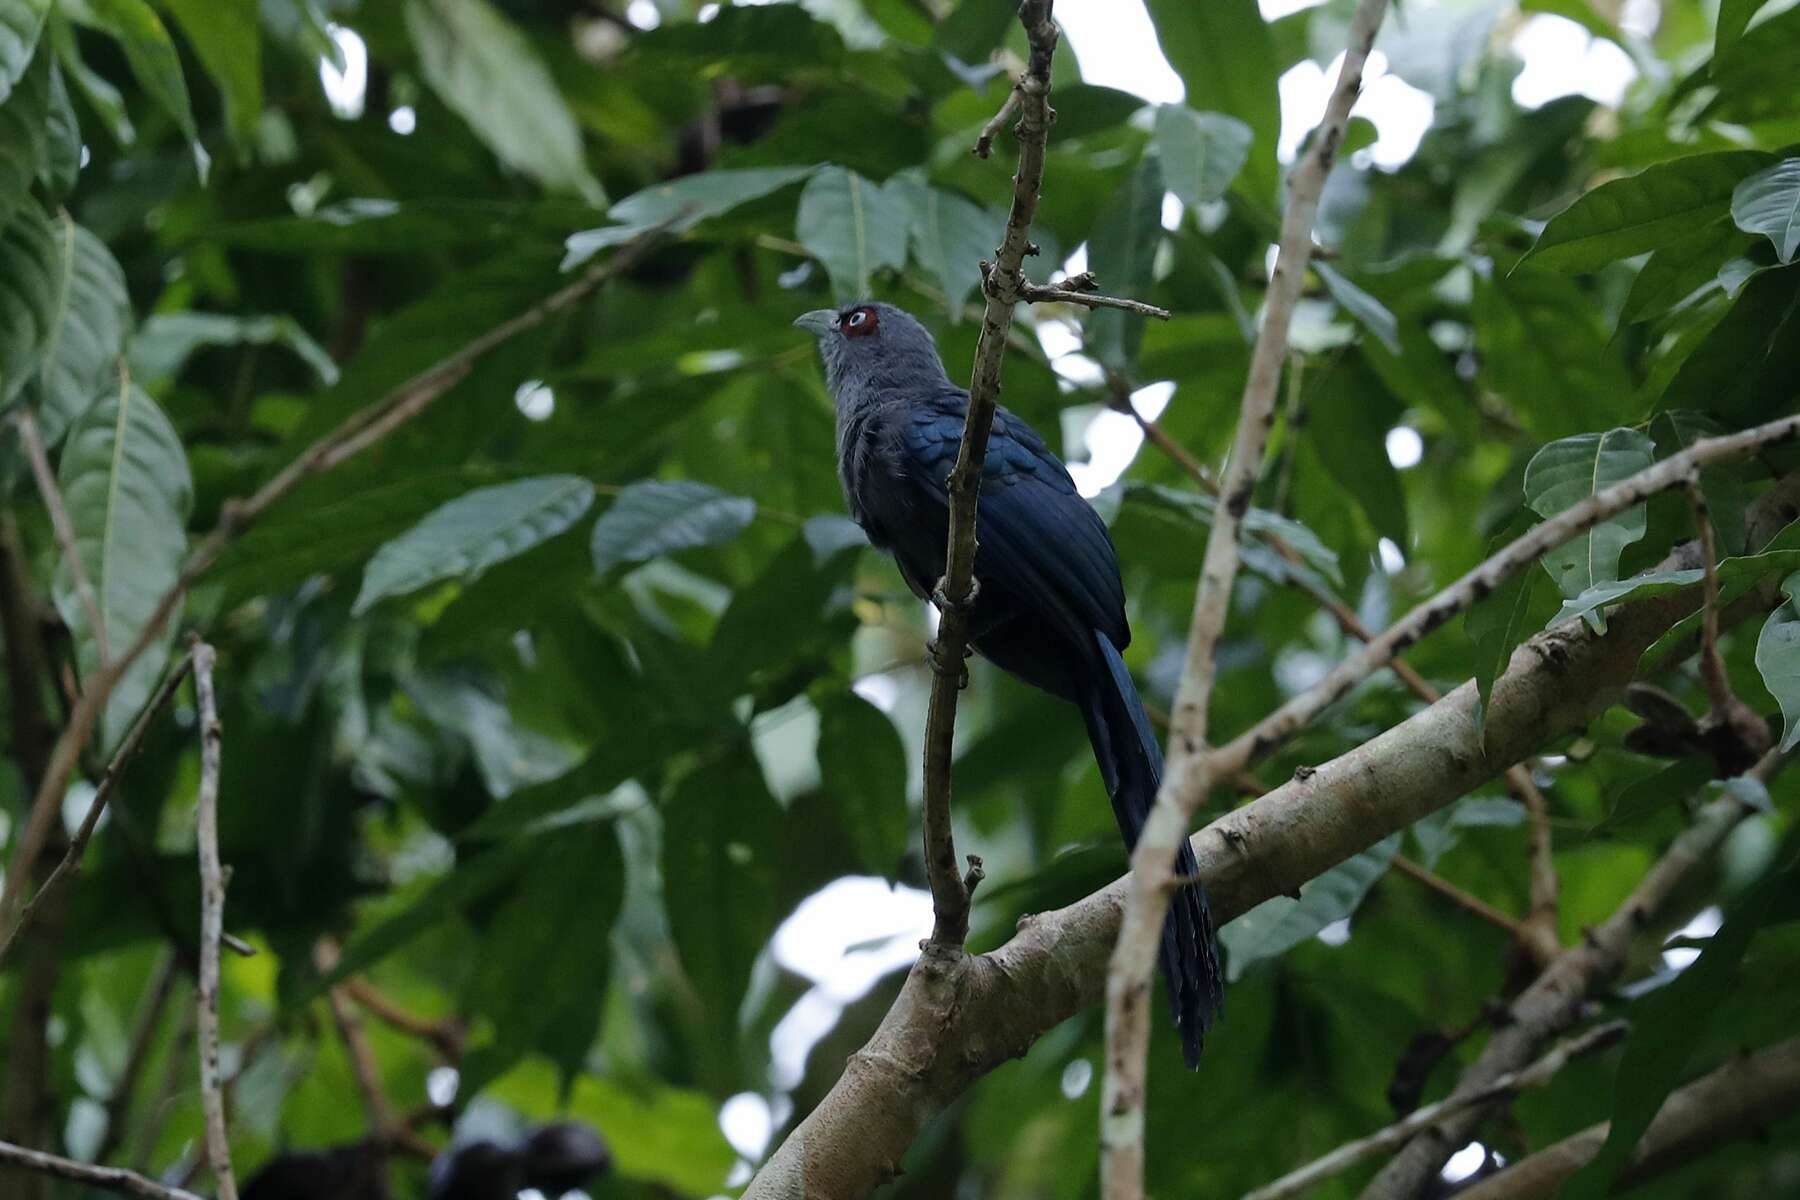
(944, 603)
(934, 650)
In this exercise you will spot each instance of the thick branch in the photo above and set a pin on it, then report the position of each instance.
(956, 1020)
(112, 1179)
(212, 923)
(357, 432)
(1740, 1099)
(1191, 767)
(1553, 1002)
(1538, 1074)
(1003, 282)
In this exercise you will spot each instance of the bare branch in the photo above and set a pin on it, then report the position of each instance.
(1081, 289)
(52, 497)
(70, 864)
(1738, 734)
(112, 1179)
(1553, 1002)
(1433, 882)
(1539, 1073)
(984, 144)
(235, 516)
(445, 1036)
(1740, 1099)
(1190, 766)
(212, 922)
(1003, 284)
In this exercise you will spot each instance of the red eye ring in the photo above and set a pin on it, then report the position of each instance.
(859, 322)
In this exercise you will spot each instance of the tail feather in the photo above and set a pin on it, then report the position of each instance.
(1131, 765)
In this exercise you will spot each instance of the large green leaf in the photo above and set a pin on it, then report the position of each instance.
(1669, 1024)
(1547, 352)
(21, 23)
(168, 339)
(1778, 658)
(105, 99)
(29, 279)
(152, 55)
(86, 329)
(687, 201)
(1224, 54)
(853, 227)
(1496, 626)
(23, 129)
(659, 517)
(864, 772)
(1369, 312)
(1568, 471)
(1768, 203)
(225, 35)
(1734, 18)
(719, 878)
(486, 70)
(1680, 268)
(1279, 924)
(950, 236)
(62, 138)
(124, 478)
(1732, 574)
(1202, 152)
(471, 533)
(1643, 212)
(1348, 416)
(1121, 251)
(1745, 364)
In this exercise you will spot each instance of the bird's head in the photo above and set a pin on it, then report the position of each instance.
(869, 344)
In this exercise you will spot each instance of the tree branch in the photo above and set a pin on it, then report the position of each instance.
(1538, 1074)
(956, 1020)
(1003, 284)
(1190, 766)
(112, 1179)
(51, 495)
(1740, 1099)
(1511, 925)
(212, 922)
(1553, 1002)
(1082, 289)
(357, 432)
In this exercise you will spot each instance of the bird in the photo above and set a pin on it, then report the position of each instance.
(1049, 605)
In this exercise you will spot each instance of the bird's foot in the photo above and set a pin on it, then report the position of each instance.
(944, 603)
(934, 650)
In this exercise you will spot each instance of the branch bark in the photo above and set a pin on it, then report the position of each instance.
(1003, 283)
(956, 1020)
(1740, 1099)
(1191, 768)
(212, 923)
(112, 1179)
(356, 433)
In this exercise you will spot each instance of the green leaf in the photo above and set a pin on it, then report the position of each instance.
(1668, 1025)
(471, 533)
(1348, 415)
(85, 329)
(853, 227)
(543, 976)
(1768, 203)
(1745, 364)
(1778, 658)
(700, 197)
(949, 235)
(1680, 268)
(1545, 351)
(863, 766)
(509, 755)
(1657, 791)
(29, 279)
(1643, 212)
(23, 120)
(1121, 251)
(1369, 312)
(659, 517)
(21, 23)
(101, 95)
(1202, 152)
(487, 72)
(168, 339)
(1224, 54)
(1727, 500)
(1279, 924)
(1497, 625)
(1734, 18)
(62, 138)
(974, 28)
(719, 878)
(225, 36)
(125, 482)
(1731, 571)
(153, 58)
(1568, 471)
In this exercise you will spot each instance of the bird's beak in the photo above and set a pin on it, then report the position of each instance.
(818, 322)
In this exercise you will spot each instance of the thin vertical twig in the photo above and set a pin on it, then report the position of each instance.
(1187, 779)
(39, 457)
(212, 922)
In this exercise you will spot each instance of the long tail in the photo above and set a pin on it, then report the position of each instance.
(1131, 765)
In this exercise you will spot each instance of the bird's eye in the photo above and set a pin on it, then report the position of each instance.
(857, 319)
(860, 322)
